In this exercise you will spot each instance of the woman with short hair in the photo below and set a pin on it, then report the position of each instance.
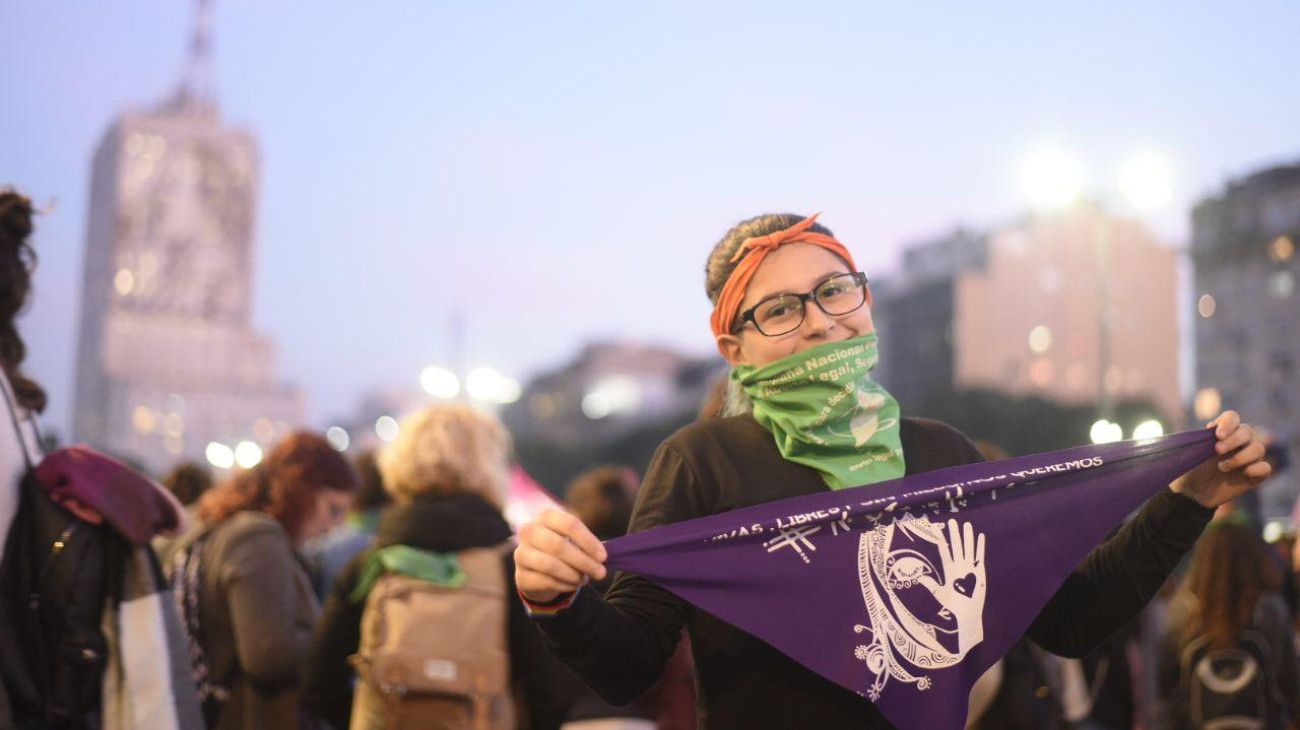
(448, 473)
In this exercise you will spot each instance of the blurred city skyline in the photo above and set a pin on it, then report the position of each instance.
(558, 174)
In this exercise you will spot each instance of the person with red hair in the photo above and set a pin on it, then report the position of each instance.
(243, 592)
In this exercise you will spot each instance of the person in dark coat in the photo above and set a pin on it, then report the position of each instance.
(784, 289)
(246, 598)
(448, 474)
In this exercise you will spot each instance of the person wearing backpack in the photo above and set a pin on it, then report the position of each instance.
(1229, 657)
(243, 591)
(426, 620)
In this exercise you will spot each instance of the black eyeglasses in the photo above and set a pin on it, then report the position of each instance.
(783, 313)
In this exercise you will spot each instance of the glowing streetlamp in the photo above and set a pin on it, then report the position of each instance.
(220, 455)
(386, 428)
(338, 438)
(1207, 402)
(489, 386)
(1105, 432)
(1144, 181)
(1052, 180)
(247, 454)
(616, 395)
(482, 384)
(439, 382)
(1148, 429)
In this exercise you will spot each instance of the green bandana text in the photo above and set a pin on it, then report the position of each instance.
(826, 412)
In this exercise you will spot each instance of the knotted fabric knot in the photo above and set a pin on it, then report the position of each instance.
(751, 253)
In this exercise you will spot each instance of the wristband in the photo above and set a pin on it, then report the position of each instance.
(549, 608)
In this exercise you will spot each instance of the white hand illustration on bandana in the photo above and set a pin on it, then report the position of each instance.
(965, 583)
(923, 616)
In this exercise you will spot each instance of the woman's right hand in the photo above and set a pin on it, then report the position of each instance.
(556, 555)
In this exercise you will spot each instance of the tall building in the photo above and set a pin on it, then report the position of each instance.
(1248, 311)
(168, 360)
(915, 314)
(1079, 306)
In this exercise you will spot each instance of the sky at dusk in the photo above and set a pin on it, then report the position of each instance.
(558, 171)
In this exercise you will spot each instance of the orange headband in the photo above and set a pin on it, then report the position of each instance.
(757, 248)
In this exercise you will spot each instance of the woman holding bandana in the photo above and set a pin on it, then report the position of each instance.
(792, 315)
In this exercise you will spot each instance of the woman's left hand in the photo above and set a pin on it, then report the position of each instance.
(1237, 467)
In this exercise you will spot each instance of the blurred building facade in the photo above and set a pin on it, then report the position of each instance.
(1020, 309)
(1247, 309)
(168, 360)
(611, 389)
(375, 419)
(915, 314)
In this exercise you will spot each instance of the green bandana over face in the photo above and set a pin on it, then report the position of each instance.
(827, 413)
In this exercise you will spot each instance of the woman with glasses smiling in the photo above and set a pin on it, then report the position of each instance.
(792, 315)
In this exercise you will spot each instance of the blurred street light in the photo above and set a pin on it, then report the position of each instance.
(1207, 403)
(482, 384)
(338, 438)
(386, 428)
(1206, 305)
(615, 395)
(1040, 339)
(1144, 181)
(220, 455)
(1281, 284)
(144, 419)
(439, 382)
(487, 385)
(1281, 249)
(1105, 432)
(247, 454)
(1275, 530)
(1052, 179)
(1148, 429)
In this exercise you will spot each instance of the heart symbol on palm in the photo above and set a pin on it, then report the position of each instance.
(966, 584)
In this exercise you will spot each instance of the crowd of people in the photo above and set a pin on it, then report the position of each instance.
(318, 591)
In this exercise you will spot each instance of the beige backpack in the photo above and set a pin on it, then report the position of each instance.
(434, 657)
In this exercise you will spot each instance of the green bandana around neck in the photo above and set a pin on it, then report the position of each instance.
(440, 568)
(826, 412)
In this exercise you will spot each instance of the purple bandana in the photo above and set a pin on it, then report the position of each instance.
(907, 591)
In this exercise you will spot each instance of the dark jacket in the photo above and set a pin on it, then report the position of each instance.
(619, 645)
(257, 610)
(440, 523)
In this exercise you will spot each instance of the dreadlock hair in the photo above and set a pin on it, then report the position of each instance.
(17, 261)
